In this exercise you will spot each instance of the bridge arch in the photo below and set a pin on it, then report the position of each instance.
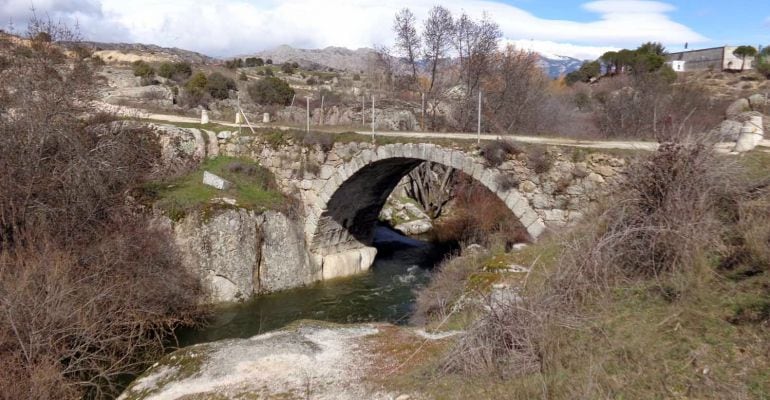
(348, 205)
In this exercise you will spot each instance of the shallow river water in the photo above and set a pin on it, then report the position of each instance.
(384, 293)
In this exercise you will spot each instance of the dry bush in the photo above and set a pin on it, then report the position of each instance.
(448, 285)
(497, 152)
(662, 224)
(506, 340)
(540, 160)
(650, 106)
(89, 290)
(507, 181)
(325, 141)
(478, 216)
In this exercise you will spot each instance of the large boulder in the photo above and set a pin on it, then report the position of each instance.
(737, 107)
(757, 101)
(728, 130)
(238, 253)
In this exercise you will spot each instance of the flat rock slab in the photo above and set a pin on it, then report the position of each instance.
(309, 361)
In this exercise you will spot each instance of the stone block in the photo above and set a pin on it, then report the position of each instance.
(528, 217)
(347, 263)
(536, 229)
(457, 160)
(216, 181)
(513, 198)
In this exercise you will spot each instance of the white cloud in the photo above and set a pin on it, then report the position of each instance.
(227, 27)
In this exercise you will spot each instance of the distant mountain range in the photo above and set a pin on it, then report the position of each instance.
(341, 58)
(338, 58)
(555, 65)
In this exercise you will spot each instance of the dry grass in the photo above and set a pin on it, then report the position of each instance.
(641, 302)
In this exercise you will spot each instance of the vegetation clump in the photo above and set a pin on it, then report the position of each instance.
(271, 90)
(219, 86)
(143, 70)
(254, 188)
(671, 273)
(90, 288)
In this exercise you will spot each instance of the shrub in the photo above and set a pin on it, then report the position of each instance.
(764, 69)
(269, 61)
(90, 290)
(96, 60)
(197, 84)
(507, 181)
(271, 90)
(243, 77)
(311, 81)
(540, 160)
(356, 77)
(324, 140)
(496, 152)
(165, 70)
(177, 71)
(659, 232)
(268, 72)
(143, 70)
(219, 86)
(448, 285)
(478, 216)
(287, 68)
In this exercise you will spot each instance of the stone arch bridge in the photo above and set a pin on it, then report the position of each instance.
(340, 223)
(346, 188)
(343, 188)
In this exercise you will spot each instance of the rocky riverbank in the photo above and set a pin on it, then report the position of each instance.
(306, 360)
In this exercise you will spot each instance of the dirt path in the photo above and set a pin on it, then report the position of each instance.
(594, 144)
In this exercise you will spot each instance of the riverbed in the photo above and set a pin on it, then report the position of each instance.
(384, 293)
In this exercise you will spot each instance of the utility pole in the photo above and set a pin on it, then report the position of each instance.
(372, 118)
(478, 131)
(322, 111)
(292, 100)
(307, 129)
(363, 111)
(422, 123)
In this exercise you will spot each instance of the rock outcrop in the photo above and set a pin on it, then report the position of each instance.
(307, 360)
(238, 253)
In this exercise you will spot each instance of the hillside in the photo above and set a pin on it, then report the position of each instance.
(129, 52)
(341, 58)
(330, 57)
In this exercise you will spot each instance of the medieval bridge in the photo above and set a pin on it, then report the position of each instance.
(343, 188)
(344, 194)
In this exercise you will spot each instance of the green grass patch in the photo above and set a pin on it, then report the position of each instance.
(253, 188)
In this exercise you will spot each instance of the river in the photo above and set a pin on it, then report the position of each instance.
(384, 293)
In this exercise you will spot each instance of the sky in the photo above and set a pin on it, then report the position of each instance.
(580, 29)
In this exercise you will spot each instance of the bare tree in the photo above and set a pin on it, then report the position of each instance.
(407, 39)
(437, 38)
(518, 96)
(381, 69)
(476, 44)
(430, 185)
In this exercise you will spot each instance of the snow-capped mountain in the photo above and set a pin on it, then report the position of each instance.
(555, 65)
